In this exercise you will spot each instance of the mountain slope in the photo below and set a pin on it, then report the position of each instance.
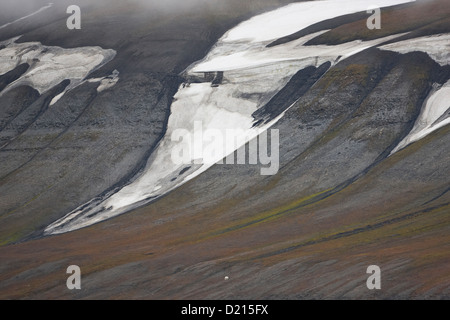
(60, 156)
(342, 199)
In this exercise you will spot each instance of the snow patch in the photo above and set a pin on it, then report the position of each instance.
(297, 16)
(432, 116)
(57, 97)
(106, 82)
(437, 104)
(294, 51)
(51, 65)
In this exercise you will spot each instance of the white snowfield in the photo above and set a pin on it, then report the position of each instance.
(297, 16)
(50, 65)
(295, 52)
(253, 74)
